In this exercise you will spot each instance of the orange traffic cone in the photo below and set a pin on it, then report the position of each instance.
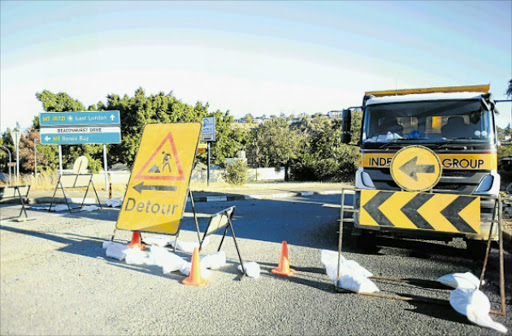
(194, 278)
(284, 263)
(136, 241)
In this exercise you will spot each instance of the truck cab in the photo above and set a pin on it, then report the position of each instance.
(453, 125)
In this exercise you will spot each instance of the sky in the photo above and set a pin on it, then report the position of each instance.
(261, 57)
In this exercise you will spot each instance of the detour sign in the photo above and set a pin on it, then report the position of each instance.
(156, 195)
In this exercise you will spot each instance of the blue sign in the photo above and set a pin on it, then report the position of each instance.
(68, 128)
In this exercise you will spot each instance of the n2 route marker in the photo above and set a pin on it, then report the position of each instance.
(157, 191)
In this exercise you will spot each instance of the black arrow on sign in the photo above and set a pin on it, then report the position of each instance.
(139, 187)
(411, 211)
(451, 212)
(372, 207)
(411, 168)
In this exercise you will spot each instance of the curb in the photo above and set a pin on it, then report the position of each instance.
(60, 200)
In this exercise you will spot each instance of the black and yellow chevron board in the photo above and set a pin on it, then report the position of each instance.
(424, 211)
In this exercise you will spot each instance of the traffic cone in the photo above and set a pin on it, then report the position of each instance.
(136, 241)
(194, 278)
(284, 263)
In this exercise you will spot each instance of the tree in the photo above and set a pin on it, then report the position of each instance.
(274, 144)
(139, 110)
(248, 118)
(62, 102)
(322, 155)
(509, 89)
(58, 102)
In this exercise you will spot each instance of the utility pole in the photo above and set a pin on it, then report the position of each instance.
(35, 157)
(16, 139)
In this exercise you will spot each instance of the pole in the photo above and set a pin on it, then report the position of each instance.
(105, 166)
(17, 159)
(60, 159)
(35, 158)
(208, 174)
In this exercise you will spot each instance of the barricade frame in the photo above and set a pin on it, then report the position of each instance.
(21, 197)
(215, 225)
(75, 185)
(497, 212)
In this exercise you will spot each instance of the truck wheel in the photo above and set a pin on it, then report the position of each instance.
(367, 242)
(476, 248)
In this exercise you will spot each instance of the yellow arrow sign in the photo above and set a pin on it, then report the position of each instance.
(416, 168)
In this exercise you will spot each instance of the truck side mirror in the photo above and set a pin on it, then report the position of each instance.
(346, 122)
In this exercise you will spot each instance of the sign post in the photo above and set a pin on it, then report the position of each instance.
(75, 128)
(16, 139)
(157, 191)
(208, 135)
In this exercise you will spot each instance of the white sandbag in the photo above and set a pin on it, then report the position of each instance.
(474, 304)
(89, 208)
(357, 283)
(158, 240)
(348, 267)
(58, 207)
(116, 250)
(460, 280)
(330, 257)
(112, 202)
(169, 261)
(353, 267)
(134, 256)
(186, 266)
(106, 244)
(187, 246)
(214, 260)
(252, 269)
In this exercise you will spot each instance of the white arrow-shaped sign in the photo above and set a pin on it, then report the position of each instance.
(112, 117)
(47, 138)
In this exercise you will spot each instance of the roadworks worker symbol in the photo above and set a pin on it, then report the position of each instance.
(416, 168)
(164, 163)
(411, 210)
(157, 191)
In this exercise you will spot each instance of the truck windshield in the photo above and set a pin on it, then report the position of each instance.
(432, 121)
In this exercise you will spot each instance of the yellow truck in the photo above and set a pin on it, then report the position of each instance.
(428, 164)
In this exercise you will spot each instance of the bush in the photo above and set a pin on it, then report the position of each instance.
(236, 172)
(339, 168)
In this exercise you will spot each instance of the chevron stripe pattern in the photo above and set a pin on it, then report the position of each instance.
(424, 211)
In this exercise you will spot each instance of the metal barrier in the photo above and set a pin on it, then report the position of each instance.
(78, 181)
(5, 192)
(497, 218)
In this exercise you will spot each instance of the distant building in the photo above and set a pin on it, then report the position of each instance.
(334, 114)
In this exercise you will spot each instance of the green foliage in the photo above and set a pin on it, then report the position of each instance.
(248, 118)
(274, 143)
(308, 147)
(236, 172)
(136, 112)
(58, 102)
(62, 102)
(323, 157)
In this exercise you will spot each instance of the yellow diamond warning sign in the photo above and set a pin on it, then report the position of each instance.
(157, 191)
(416, 168)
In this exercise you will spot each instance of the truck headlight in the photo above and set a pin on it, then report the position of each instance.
(489, 185)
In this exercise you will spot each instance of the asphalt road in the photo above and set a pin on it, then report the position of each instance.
(56, 280)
